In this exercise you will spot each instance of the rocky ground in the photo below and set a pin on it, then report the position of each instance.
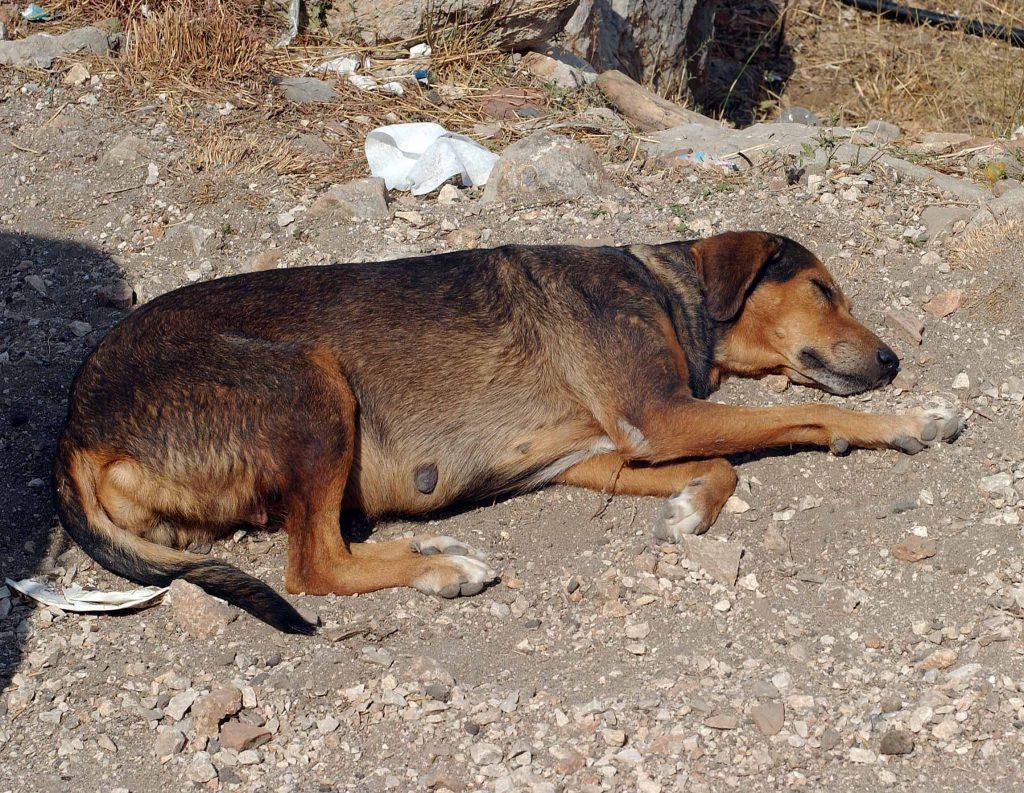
(850, 622)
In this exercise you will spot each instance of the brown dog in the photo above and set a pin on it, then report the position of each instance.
(406, 386)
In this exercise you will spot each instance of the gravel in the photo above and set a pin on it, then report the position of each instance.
(793, 647)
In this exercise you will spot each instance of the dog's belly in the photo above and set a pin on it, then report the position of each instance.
(415, 480)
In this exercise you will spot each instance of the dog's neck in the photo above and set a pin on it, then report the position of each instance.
(672, 265)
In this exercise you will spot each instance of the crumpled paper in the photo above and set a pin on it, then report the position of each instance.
(74, 598)
(421, 157)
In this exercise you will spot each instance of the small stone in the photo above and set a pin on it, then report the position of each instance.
(239, 735)
(210, 710)
(169, 742)
(768, 717)
(896, 742)
(722, 721)
(79, 328)
(720, 560)
(830, 739)
(180, 703)
(798, 115)
(37, 283)
(76, 75)
(906, 324)
(448, 194)
(201, 770)
(196, 612)
(961, 382)
(736, 506)
(613, 737)
(485, 753)
(914, 549)
(152, 174)
(117, 294)
(306, 90)
(640, 630)
(327, 725)
(358, 199)
(866, 756)
(267, 260)
(942, 658)
(945, 303)
(776, 383)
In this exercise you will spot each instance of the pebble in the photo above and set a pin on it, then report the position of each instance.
(768, 717)
(197, 613)
(896, 742)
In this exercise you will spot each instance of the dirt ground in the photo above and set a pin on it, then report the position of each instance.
(603, 660)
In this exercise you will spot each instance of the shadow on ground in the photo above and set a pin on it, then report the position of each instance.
(50, 302)
(748, 61)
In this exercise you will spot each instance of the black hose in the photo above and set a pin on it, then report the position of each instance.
(918, 16)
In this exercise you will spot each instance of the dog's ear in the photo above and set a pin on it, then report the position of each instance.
(728, 264)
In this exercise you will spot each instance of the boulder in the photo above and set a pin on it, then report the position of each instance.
(41, 49)
(547, 167)
(510, 26)
(657, 42)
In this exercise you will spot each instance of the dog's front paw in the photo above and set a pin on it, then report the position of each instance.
(452, 576)
(687, 512)
(925, 427)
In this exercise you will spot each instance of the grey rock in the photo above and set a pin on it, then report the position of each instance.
(554, 70)
(1008, 206)
(168, 743)
(41, 49)
(509, 26)
(768, 717)
(881, 131)
(720, 560)
(127, 150)
(939, 220)
(547, 167)
(799, 115)
(306, 90)
(189, 241)
(656, 42)
(358, 199)
(201, 770)
(897, 742)
(196, 612)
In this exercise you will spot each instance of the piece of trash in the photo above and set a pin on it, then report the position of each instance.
(344, 64)
(422, 156)
(420, 51)
(36, 13)
(74, 598)
(294, 12)
(700, 159)
(422, 75)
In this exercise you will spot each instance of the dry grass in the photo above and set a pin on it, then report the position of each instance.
(858, 66)
(188, 56)
(998, 248)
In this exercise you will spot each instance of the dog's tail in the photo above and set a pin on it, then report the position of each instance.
(130, 556)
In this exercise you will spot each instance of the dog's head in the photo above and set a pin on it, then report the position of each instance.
(782, 312)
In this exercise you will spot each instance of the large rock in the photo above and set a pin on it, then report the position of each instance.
(511, 26)
(546, 167)
(196, 612)
(358, 199)
(41, 49)
(657, 42)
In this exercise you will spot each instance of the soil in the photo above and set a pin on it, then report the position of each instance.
(603, 660)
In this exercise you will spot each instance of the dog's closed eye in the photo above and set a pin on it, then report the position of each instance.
(824, 290)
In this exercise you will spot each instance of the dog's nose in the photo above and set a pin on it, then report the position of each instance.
(887, 360)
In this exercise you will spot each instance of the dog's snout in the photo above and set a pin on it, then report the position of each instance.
(887, 360)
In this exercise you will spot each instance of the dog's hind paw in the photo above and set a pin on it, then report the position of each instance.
(451, 576)
(682, 514)
(928, 426)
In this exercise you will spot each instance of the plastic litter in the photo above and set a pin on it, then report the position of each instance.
(701, 159)
(420, 51)
(345, 64)
(74, 598)
(36, 13)
(294, 12)
(421, 157)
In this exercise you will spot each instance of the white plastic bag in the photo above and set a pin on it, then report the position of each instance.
(421, 157)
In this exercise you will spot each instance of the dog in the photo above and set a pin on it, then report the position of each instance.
(285, 397)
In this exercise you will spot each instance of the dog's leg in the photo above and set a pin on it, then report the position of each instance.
(685, 427)
(696, 490)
